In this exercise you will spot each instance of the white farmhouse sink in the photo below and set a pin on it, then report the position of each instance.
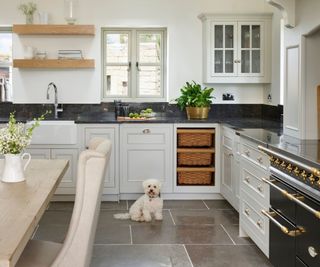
(55, 133)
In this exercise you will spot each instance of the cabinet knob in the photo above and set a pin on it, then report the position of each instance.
(247, 179)
(247, 152)
(259, 159)
(260, 188)
(146, 131)
(259, 223)
(246, 211)
(312, 251)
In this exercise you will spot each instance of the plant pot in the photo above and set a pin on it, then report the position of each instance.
(13, 171)
(197, 113)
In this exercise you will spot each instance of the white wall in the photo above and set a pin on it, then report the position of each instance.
(307, 19)
(184, 45)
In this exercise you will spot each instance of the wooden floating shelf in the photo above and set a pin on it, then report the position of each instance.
(47, 29)
(54, 63)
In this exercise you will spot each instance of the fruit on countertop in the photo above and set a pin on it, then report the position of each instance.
(134, 115)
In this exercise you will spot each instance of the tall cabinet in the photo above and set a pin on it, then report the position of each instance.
(236, 48)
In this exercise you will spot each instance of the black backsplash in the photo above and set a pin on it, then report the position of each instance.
(172, 110)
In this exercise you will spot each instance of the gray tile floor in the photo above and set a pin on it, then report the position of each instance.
(192, 234)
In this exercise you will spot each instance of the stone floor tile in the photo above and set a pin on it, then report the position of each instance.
(218, 204)
(190, 234)
(61, 206)
(140, 256)
(106, 217)
(114, 205)
(233, 231)
(222, 256)
(113, 234)
(198, 217)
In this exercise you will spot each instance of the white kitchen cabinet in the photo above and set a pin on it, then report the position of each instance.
(39, 153)
(230, 177)
(236, 48)
(68, 182)
(145, 152)
(254, 194)
(111, 132)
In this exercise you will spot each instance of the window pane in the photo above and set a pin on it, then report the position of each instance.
(117, 80)
(150, 47)
(218, 61)
(6, 64)
(150, 81)
(229, 36)
(117, 47)
(5, 47)
(256, 36)
(218, 36)
(245, 61)
(245, 36)
(229, 61)
(256, 61)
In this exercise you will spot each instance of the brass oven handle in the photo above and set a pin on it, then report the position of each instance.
(284, 229)
(269, 215)
(293, 198)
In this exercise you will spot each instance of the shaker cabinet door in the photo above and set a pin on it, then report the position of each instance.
(146, 152)
(111, 133)
(68, 182)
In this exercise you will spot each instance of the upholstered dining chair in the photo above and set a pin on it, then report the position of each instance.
(77, 248)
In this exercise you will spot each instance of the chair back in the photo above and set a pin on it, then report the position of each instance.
(78, 245)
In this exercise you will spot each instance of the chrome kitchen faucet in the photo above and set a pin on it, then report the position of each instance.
(56, 109)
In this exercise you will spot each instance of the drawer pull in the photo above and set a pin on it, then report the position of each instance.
(312, 251)
(259, 223)
(247, 179)
(259, 159)
(260, 188)
(284, 229)
(293, 198)
(247, 152)
(246, 211)
(230, 154)
(146, 131)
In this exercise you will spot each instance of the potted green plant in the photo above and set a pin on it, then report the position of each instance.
(196, 100)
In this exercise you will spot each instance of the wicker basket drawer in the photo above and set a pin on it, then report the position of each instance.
(195, 156)
(195, 137)
(195, 176)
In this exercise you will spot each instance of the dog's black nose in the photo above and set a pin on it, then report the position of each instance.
(151, 190)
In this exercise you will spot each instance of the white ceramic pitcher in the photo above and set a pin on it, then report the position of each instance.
(13, 170)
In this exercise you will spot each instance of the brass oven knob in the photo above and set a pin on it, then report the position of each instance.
(289, 168)
(296, 171)
(272, 159)
(318, 182)
(311, 179)
(277, 162)
(304, 175)
(283, 164)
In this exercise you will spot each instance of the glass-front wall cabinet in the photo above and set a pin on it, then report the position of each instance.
(232, 57)
(237, 48)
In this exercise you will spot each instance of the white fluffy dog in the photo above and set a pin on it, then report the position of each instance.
(147, 205)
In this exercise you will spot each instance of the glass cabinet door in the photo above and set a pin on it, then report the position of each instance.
(250, 49)
(223, 49)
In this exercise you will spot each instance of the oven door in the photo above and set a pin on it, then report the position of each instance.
(308, 243)
(282, 244)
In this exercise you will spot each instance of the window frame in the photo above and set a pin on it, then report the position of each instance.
(133, 75)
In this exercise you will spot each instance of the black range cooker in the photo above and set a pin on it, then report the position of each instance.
(294, 214)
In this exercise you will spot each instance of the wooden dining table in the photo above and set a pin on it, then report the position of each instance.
(23, 204)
